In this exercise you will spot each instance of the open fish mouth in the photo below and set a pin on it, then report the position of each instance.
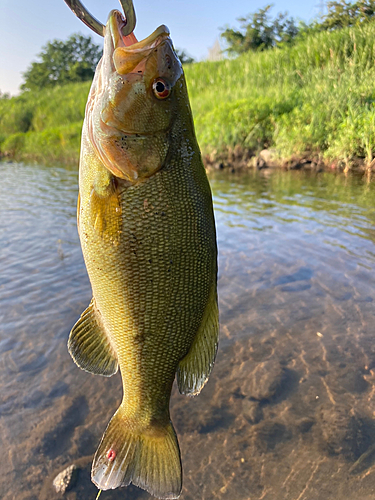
(131, 106)
(117, 23)
(121, 30)
(128, 52)
(87, 18)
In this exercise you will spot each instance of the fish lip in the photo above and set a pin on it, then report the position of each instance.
(116, 23)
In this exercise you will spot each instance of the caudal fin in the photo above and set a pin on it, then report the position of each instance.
(148, 457)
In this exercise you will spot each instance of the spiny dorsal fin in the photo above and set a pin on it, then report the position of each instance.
(89, 345)
(195, 368)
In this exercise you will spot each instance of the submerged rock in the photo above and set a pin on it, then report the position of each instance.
(265, 380)
(66, 479)
(344, 432)
(252, 411)
(269, 434)
(271, 382)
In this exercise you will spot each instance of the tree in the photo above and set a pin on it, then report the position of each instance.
(342, 13)
(258, 32)
(184, 56)
(74, 60)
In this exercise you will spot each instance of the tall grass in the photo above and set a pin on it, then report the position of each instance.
(315, 98)
(44, 126)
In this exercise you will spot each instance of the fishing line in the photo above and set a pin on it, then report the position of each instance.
(98, 495)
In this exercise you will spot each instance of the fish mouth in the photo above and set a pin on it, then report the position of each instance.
(128, 52)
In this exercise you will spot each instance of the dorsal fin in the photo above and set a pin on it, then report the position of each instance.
(89, 344)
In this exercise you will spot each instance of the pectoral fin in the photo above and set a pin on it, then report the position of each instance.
(195, 368)
(89, 344)
(105, 209)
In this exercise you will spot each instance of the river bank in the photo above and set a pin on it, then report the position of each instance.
(311, 105)
(242, 160)
(233, 160)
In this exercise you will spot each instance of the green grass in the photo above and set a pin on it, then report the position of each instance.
(315, 98)
(44, 126)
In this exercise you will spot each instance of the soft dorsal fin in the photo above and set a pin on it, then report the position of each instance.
(195, 368)
(89, 344)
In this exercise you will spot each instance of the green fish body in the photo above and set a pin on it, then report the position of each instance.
(147, 233)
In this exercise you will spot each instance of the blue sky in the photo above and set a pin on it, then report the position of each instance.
(27, 25)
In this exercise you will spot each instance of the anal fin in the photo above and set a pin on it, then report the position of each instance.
(89, 344)
(194, 369)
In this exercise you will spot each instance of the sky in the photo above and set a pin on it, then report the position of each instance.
(194, 25)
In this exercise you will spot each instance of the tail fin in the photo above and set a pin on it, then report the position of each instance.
(147, 457)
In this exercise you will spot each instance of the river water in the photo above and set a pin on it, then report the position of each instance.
(288, 412)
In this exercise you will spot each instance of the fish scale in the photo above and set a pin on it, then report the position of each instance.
(147, 232)
(151, 299)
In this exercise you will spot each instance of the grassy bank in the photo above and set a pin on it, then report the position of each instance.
(315, 99)
(44, 126)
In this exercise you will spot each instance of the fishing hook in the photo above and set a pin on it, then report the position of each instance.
(84, 15)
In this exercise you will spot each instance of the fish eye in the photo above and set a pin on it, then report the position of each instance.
(161, 88)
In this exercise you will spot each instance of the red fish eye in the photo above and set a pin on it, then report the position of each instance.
(161, 88)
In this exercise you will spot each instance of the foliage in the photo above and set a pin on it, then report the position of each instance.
(73, 60)
(184, 57)
(316, 97)
(58, 144)
(63, 62)
(259, 32)
(313, 98)
(342, 14)
(13, 143)
(36, 111)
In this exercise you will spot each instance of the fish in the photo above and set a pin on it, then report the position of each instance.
(147, 231)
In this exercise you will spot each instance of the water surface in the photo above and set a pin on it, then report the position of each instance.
(288, 412)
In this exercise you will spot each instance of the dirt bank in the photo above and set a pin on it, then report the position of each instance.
(239, 159)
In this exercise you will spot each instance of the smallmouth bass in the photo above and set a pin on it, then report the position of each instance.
(147, 232)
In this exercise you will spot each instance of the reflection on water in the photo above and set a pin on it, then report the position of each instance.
(288, 412)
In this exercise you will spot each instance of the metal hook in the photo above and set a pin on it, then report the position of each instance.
(84, 15)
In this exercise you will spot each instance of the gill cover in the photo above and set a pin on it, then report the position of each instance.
(128, 123)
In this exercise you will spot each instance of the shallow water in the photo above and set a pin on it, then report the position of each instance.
(288, 412)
